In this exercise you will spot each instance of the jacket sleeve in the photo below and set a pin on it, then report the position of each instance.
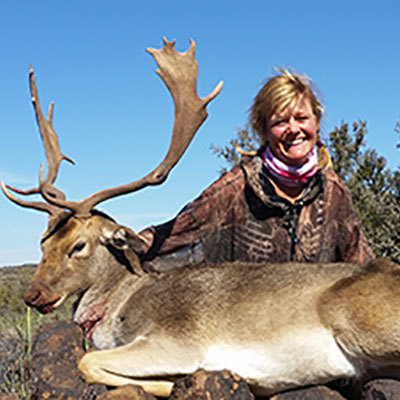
(180, 241)
(351, 239)
(358, 249)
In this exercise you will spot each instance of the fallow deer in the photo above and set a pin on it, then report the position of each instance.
(279, 326)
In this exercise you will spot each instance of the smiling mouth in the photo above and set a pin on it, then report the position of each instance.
(291, 143)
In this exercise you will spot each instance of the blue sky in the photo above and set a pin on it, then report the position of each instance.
(114, 116)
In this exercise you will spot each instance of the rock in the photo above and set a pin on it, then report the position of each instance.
(311, 393)
(54, 366)
(381, 389)
(127, 392)
(220, 385)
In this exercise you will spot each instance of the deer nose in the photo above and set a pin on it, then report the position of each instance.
(32, 296)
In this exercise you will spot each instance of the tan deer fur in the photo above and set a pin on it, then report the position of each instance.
(278, 326)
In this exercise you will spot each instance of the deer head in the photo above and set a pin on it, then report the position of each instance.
(76, 245)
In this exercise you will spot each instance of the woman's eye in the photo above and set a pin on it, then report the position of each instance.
(303, 117)
(77, 248)
(279, 122)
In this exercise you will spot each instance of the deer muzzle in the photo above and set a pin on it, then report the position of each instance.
(36, 297)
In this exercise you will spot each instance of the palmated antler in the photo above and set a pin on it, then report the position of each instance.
(54, 156)
(179, 73)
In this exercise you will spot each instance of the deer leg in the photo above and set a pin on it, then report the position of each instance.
(137, 362)
(363, 315)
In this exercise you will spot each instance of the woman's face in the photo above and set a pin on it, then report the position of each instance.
(292, 133)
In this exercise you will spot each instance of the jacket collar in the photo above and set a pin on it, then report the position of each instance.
(258, 179)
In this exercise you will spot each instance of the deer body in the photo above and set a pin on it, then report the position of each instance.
(278, 326)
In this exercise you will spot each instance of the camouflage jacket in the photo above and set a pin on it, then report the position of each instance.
(241, 218)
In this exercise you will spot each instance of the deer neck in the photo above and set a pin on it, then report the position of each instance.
(111, 272)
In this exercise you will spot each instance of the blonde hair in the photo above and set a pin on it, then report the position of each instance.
(284, 91)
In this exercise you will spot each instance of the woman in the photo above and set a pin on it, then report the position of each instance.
(282, 203)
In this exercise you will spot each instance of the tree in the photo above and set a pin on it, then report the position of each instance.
(246, 139)
(397, 130)
(375, 189)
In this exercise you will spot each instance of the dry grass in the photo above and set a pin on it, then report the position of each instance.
(18, 324)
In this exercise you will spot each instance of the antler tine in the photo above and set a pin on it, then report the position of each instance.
(37, 205)
(50, 142)
(53, 156)
(179, 73)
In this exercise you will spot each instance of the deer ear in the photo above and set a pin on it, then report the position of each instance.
(123, 238)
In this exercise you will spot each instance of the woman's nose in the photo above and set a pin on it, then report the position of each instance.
(293, 125)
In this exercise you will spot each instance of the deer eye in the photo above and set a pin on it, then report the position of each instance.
(77, 248)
